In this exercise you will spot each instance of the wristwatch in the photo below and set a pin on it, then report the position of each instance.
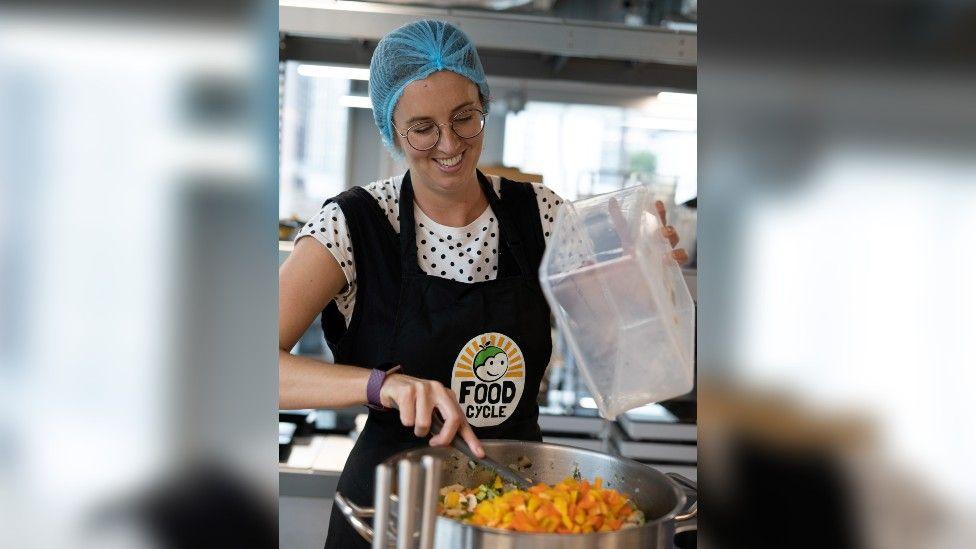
(376, 378)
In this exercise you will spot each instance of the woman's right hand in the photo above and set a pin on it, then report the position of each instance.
(416, 399)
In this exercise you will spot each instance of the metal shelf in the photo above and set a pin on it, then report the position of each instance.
(519, 32)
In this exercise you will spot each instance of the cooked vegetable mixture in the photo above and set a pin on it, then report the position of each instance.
(572, 506)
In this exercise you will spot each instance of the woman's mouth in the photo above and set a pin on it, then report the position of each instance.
(449, 165)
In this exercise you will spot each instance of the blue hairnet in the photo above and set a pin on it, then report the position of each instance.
(414, 52)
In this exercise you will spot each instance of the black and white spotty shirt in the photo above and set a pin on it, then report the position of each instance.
(465, 254)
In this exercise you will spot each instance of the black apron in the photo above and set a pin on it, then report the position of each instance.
(467, 334)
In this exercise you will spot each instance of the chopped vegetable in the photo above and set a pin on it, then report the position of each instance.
(521, 464)
(571, 506)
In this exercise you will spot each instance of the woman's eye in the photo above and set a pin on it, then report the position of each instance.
(424, 129)
(463, 118)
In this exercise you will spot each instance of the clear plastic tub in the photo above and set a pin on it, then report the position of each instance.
(621, 300)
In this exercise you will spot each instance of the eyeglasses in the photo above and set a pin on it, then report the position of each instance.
(424, 135)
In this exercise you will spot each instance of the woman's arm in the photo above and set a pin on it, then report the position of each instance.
(307, 281)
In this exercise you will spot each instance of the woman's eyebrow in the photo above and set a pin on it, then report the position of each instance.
(455, 109)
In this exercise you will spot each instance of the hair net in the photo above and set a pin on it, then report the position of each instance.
(414, 52)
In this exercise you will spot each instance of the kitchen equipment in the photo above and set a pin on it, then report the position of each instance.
(288, 228)
(458, 443)
(420, 473)
(620, 300)
(286, 433)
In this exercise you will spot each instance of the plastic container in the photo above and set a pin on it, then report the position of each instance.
(620, 300)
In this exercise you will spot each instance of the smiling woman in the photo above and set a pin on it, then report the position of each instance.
(442, 161)
(428, 280)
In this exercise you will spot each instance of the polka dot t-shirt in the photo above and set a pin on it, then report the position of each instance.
(464, 254)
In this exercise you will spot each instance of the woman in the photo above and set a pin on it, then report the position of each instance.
(430, 278)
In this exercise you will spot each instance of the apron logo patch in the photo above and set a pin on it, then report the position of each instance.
(488, 378)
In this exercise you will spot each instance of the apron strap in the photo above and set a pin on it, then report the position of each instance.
(506, 226)
(408, 228)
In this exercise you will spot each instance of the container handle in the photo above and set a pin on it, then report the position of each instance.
(354, 514)
(689, 486)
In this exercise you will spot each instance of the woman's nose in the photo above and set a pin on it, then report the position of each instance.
(449, 141)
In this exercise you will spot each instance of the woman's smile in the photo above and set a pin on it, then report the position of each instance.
(449, 165)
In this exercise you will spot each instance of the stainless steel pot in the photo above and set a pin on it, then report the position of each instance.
(420, 473)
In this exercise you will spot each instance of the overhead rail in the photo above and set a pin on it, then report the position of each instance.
(500, 30)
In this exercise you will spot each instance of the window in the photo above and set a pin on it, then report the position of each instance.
(314, 137)
(583, 150)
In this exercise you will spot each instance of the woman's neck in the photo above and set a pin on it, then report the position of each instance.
(454, 207)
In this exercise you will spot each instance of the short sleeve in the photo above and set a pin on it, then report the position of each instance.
(549, 203)
(328, 227)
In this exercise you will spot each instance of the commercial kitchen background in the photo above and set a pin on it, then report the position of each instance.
(138, 318)
(587, 97)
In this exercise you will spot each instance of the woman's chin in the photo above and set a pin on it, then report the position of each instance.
(450, 180)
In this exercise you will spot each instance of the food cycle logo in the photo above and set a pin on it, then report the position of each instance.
(488, 378)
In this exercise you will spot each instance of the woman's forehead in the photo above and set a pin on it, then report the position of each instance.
(437, 95)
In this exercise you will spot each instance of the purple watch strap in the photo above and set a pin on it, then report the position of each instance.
(376, 379)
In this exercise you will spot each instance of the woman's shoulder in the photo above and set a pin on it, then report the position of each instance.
(328, 228)
(381, 190)
(547, 201)
(385, 192)
(384, 189)
(545, 194)
(539, 189)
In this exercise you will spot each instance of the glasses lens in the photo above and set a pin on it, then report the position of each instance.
(423, 136)
(468, 124)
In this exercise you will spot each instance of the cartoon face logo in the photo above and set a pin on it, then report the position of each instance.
(488, 378)
(490, 364)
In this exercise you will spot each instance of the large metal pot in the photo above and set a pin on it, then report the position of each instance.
(661, 499)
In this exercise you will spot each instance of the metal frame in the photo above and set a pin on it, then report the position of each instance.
(608, 74)
(529, 33)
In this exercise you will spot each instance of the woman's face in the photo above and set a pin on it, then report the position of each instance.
(438, 98)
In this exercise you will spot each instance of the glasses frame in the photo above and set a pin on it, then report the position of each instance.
(484, 118)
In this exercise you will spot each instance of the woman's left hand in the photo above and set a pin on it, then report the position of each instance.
(679, 254)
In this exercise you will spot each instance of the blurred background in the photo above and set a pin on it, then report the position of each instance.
(140, 189)
(587, 98)
(137, 252)
(836, 301)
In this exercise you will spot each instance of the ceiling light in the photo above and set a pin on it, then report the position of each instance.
(356, 101)
(675, 97)
(332, 71)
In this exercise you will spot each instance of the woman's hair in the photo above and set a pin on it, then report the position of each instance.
(414, 52)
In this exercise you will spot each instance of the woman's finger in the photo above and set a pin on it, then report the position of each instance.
(424, 407)
(405, 402)
(452, 420)
(680, 255)
(662, 213)
(467, 433)
(672, 235)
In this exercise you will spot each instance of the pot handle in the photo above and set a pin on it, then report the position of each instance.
(687, 485)
(354, 514)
